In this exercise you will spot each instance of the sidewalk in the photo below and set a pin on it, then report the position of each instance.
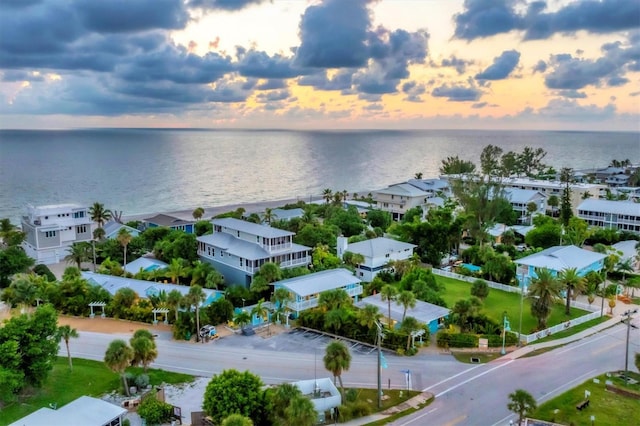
(414, 402)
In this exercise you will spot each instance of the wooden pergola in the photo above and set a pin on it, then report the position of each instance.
(163, 311)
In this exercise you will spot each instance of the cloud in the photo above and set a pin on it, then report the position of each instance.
(413, 90)
(571, 110)
(341, 80)
(457, 93)
(460, 65)
(115, 16)
(479, 105)
(576, 73)
(572, 94)
(272, 84)
(229, 5)
(19, 75)
(540, 66)
(485, 18)
(259, 64)
(373, 107)
(273, 96)
(501, 67)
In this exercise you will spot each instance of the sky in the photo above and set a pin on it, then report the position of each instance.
(321, 64)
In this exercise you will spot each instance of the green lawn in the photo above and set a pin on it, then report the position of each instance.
(501, 301)
(482, 357)
(90, 378)
(607, 407)
(573, 330)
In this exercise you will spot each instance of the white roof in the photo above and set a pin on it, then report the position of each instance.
(429, 184)
(628, 249)
(83, 411)
(250, 227)
(112, 228)
(48, 209)
(318, 282)
(522, 196)
(403, 189)
(559, 258)
(146, 264)
(378, 247)
(608, 206)
(424, 312)
(242, 248)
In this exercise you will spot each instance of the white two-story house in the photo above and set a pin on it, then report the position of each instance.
(397, 199)
(50, 230)
(377, 253)
(237, 249)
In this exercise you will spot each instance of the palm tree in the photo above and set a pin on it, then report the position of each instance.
(66, 333)
(369, 315)
(199, 272)
(175, 270)
(99, 214)
(144, 348)
(281, 297)
(198, 213)
(24, 289)
(409, 325)
(522, 403)
(625, 266)
(301, 412)
(117, 358)
(271, 272)
(242, 318)
(282, 395)
(260, 311)
(195, 297)
(79, 252)
(573, 282)
(336, 318)
(334, 299)
(337, 359)
(546, 289)
(408, 300)
(268, 216)
(124, 238)
(327, 194)
(388, 293)
(98, 234)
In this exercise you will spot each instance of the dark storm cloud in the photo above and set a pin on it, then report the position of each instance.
(128, 16)
(20, 75)
(569, 73)
(334, 34)
(501, 67)
(457, 93)
(231, 5)
(485, 18)
(460, 65)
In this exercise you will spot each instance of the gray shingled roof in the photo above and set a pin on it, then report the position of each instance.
(403, 189)
(166, 220)
(559, 258)
(318, 282)
(377, 247)
(424, 312)
(251, 228)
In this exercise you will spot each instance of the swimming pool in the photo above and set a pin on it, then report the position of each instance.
(470, 266)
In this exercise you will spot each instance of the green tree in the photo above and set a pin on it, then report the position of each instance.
(301, 412)
(99, 214)
(260, 311)
(490, 160)
(117, 358)
(144, 348)
(327, 194)
(199, 272)
(233, 392)
(281, 296)
(67, 333)
(154, 411)
(174, 300)
(268, 216)
(237, 420)
(553, 202)
(407, 299)
(389, 293)
(176, 270)
(409, 325)
(379, 219)
(23, 290)
(280, 397)
(334, 299)
(545, 289)
(522, 403)
(572, 282)
(79, 252)
(124, 238)
(545, 236)
(464, 310)
(337, 359)
(577, 231)
(456, 166)
(530, 160)
(195, 298)
(368, 316)
(480, 289)
(348, 221)
(99, 234)
(198, 213)
(10, 235)
(242, 318)
(566, 211)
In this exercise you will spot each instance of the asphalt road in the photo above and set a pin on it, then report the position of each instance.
(465, 394)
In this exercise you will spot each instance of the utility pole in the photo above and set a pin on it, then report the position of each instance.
(626, 351)
(604, 292)
(379, 326)
(523, 289)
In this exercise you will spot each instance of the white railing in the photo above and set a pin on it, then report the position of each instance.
(528, 338)
(313, 302)
(492, 284)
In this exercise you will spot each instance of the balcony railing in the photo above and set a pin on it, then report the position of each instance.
(313, 302)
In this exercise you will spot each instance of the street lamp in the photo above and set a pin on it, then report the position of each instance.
(627, 314)
(523, 290)
(505, 328)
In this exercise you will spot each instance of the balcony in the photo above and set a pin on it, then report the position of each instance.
(313, 302)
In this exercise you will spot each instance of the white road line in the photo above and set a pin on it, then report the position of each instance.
(419, 417)
(581, 344)
(579, 378)
(450, 378)
(503, 421)
(472, 378)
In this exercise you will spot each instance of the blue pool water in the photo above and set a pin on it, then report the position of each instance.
(471, 267)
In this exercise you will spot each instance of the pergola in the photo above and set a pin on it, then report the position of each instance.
(163, 311)
(96, 305)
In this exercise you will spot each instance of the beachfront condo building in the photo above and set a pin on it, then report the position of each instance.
(50, 230)
(619, 215)
(237, 249)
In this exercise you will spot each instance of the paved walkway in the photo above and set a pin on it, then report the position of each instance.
(414, 402)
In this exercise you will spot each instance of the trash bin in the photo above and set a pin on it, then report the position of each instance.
(187, 335)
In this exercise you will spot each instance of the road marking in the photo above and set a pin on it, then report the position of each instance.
(452, 377)
(579, 378)
(503, 421)
(581, 344)
(473, 378)
(419, 417)
(606, 348)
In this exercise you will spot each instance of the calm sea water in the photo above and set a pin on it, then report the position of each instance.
(147, 170)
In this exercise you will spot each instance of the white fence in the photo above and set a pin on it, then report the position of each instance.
(528, 338)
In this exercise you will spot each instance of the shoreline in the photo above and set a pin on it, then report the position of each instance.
(209, 212)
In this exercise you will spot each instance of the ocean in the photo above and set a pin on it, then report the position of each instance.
(143, 171)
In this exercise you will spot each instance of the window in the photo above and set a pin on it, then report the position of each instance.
(238, 234)
(49, 234)
(241, 261)
(82, 229)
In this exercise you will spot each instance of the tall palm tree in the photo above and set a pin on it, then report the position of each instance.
(99, 214)
(66, 333)
(337, 359)
(522, 403)
(261, 311)
(573, 282)
(195, 297)
(175, 270)
(408, 300)
(124, 238)
(199, 272)
(117, 358)
(268, 216)
(144, 348)
(368, 316)
(624, 266)
(327, 194)
(79, 252)
(98, 234)
(388, 293)
(545, 288)
(281, 297)
(409, 325)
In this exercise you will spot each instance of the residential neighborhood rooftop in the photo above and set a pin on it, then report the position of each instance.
(424, 312)
(82, 411)
(620, 207)
(377, 247)
(315, 283)
(166, 220)
(559, 258)
(251, 228)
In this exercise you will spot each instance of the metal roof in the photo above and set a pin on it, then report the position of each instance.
(251, 228)
(521, 196)
(319, 282)
(378, 247)
(607, 206)
(82, 411)
(403, 189)
(144, 263)
(166, 220)
(559, 258)
(424, 312)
